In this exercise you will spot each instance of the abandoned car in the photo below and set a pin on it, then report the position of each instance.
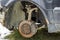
(30, 15)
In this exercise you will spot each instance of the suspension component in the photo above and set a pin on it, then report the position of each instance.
(28, 28)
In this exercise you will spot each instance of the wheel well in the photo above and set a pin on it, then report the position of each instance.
(40, 16)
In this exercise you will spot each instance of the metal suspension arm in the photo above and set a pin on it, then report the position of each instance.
(30, 13)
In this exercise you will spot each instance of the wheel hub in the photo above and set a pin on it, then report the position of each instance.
(26, 29)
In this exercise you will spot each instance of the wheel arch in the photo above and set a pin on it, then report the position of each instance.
(40, 7)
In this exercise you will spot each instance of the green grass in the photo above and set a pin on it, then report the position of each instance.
(40, 35)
